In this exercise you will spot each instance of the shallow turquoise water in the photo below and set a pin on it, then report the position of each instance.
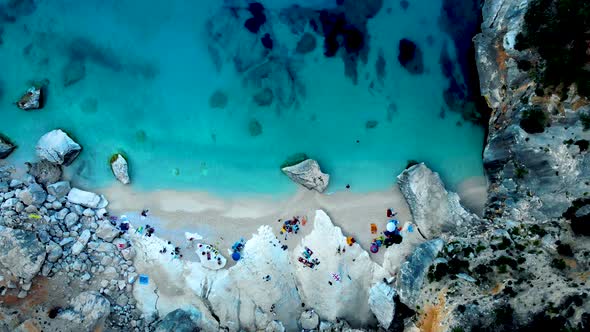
(147, 94)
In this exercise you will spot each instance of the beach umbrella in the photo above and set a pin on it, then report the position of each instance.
(236, 256)
(391, 226)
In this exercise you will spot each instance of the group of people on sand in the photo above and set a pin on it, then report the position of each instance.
(392, 234)
(292, 225)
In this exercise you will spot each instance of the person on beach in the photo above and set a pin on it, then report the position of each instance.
(144, 214)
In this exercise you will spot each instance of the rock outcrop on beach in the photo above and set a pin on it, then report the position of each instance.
(308, 174)
(120, 168)
(58, 148)
(434, 209)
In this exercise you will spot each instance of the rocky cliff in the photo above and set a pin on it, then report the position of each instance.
(528, 269)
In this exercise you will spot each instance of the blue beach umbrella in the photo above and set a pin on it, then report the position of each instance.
(236, 256)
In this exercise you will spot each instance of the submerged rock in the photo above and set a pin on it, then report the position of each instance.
(6, 147)
(255, 128)
(410, 56)
(120, 168)
(73, 72)
(30, 100)
(45, 173)
(264, 97)
(178, 321)
(306, 44)
(218, 99)
(371, 124)
(308, 174)
(434, 210)
(21, 253)
(57, 147)
(382, 303)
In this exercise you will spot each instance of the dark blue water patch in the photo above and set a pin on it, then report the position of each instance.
(410, 57)
(12, 10)
(404, 4)
(258, 18)
(267, 41)
(461, 19)
(82, 49)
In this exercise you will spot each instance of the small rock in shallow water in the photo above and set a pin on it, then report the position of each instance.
(218, 99)
(306, 44)
(30, 100)
(371, 124)
(264, 97)
(120, 168)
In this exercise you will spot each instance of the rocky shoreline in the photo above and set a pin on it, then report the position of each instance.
(522, 267)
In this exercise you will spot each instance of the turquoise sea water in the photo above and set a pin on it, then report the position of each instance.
(149, 77)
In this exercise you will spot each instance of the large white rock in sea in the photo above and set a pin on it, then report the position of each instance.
(434, 209)
(57, 147)
(308, 174)
(120, 168)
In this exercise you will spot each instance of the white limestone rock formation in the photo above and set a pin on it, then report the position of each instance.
(357, 273)
(434, 209)
(85, 198)
(120, 168)
(308, 174)
(246, 284)
(88, 309)
(382, 304)
(30, 100)
(57, 147)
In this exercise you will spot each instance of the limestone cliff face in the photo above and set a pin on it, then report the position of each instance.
(528, 269)
(533, 176)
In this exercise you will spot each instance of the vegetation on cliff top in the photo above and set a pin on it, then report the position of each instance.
(559, 31)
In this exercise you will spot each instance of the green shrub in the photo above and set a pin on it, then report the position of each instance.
(558, 30)
(558, 263)
(534, 121)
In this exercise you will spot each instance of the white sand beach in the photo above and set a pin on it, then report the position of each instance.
(222, 221)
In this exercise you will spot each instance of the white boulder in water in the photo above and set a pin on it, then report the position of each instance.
(308, 174)
(30, 100)
(57, 147)
(120, 168)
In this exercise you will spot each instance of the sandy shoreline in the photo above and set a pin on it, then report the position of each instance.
(223, 221)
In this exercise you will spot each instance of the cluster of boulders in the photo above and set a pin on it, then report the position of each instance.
(50, 229)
